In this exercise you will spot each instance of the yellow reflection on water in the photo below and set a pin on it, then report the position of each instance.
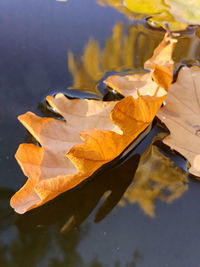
(122, 51)
(125, 50)
(156, 179)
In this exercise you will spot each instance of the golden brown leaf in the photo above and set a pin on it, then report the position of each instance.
(68, 155)
(181, 114)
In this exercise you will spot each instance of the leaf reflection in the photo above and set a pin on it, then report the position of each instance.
(125, 50)
(156, 179)
(122, 52)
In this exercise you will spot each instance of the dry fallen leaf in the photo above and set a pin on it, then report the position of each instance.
(181, 114)
(68, 155)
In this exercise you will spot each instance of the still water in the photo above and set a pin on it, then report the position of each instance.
(46, 47)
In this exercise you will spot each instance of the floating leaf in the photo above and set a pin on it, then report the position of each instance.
(68, 155)
(181, 114)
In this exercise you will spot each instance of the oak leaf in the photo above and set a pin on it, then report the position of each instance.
(181, 114)
(68, 155)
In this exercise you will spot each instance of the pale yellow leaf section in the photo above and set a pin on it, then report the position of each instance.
(68, 154)
(181, 114)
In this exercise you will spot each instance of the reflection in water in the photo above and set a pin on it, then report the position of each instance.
(156, 179)
(5, 211)
(137, 258)
(122, 52)
(42, 248)
(125, 51)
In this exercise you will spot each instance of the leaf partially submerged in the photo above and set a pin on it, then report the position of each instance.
(68, 155)
(181, 114)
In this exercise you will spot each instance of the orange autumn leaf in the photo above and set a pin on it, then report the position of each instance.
(68, 155)
(181, 114)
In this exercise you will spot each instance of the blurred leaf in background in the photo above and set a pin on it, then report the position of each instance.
(185, 11)
(176, 13)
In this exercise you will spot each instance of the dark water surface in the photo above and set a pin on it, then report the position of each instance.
(36, 37)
